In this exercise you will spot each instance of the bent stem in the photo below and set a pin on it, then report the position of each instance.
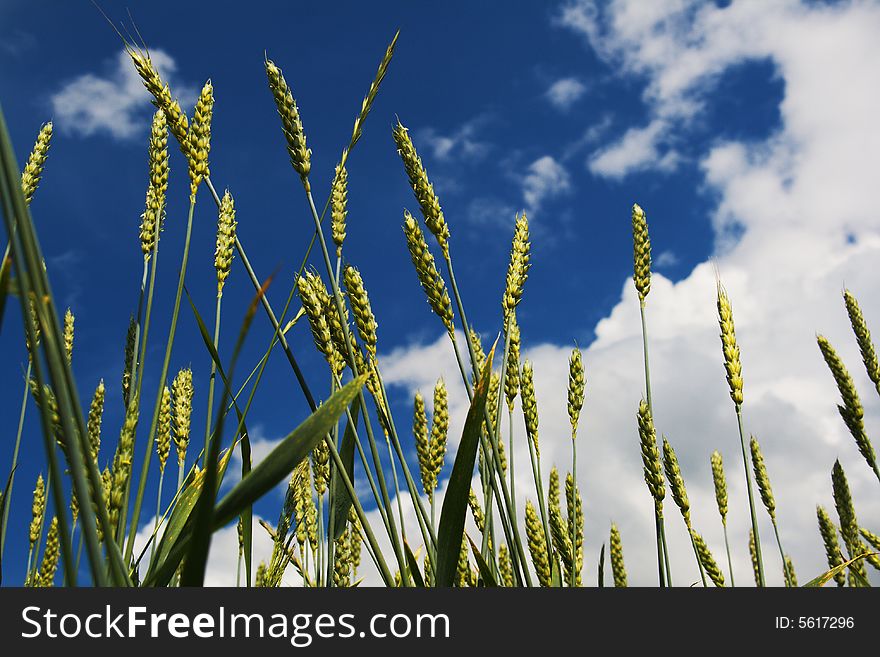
(788, 581)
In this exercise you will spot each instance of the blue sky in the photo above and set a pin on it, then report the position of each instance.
(569, 111)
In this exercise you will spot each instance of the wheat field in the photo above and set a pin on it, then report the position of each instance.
(359, 469)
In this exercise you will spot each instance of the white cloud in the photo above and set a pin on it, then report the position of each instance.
(117, 103)
(666, 259)
(463, 143)
(545, 178)
(638, 149)
(564, 93)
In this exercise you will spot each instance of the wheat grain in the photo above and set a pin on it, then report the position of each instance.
(152, 218)
(122, 462)
(339, 207)
(38, 508)
(33, 169)
(518, 268)
(182, 392)
(69, 321)
(199, 137)
(863, 337)
(846, 512)
(511, 373)
(439, 430)
(505, 567)
(530, 404)
(676, 482)
(832, 547)
(176, 118)
(430, 279)
(291, 123)
(618, 568)
(310, 289)
(537, 545)
(423, 444)
(163, 432)
(96, 412)
(363, 313)
(732, 363)
(46, 576)
(321, 466)
(422, 188)
(641, 253)
(790, 575)
(653, 470)
(720, 484)
(753, 554)
(762, 478)
(224, 251)
(851, 411)
(708, 561)
(576, 386)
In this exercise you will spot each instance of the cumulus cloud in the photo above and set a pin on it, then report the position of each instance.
(116, 103)
(795, 220)
(545, 178)
(564, 93)
(636, 150)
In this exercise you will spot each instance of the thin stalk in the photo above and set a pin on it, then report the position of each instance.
(211, 380)
(27, 572)
(660, 521)
(658, 525)
(15, 452)
(137, 327)
(742, 442)
(238, 570)
(665, 551)
(539, 488)
(729, 560)
(158, 511)
(697, 555)
(645, 352)
(140, 375)
(319, 557)
(781, 554)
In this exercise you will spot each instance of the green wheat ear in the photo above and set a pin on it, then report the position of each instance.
(618, 568)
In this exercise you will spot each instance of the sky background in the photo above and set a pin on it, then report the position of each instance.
(746, 130)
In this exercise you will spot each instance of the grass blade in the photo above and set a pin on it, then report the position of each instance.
(4, 501)
(485, 571)
(826, 577)
(601, 583)
(5, 269)
(455, 502)
(413, 564)
(287, 455)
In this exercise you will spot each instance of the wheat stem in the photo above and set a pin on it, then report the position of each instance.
(213, 376)
(759, 559)
(729, 560)
(151, 436)
(15, 452)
